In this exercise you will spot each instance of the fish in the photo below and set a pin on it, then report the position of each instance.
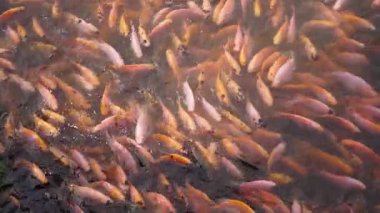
(197, 200)
(32, 137)
(310, 49)
(113, 15)
(284, 73)
(173, 64)
(88, 193)
(211, 110)
(282, 33)
(246, 187)
(231, 168)
(10, 13)
(225, 14)
(49, 99)
(5, 63)
(159, 202)
(167, 141)
(343, 181)
(221, 91)
(168, 117)
(74, 96)
(352, 83)
(123, 155)
(232, 205)
(235, 120)
(276, 154)
(38, 28)
(176, 158)
(144, 38)
(142, 126)
(187, 121)
(80, 159)
(24, 84)
(44, 127)
(33, 169)
(97, 169)
(136, 197)
(160, 29)
(257, 60)
(264, 92)
(124, 28)
(189, 96)
(12, 35)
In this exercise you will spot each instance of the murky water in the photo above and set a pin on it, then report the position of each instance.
(308, 141)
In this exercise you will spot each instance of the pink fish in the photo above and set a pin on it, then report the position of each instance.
(342, 181)
(202, 123)
(352, 83)
(340, 4)
(301, 121)
(231, 168)
(238, 40)
(89, 194)
(292, 29)
(246, 187)
(111, 121)
(276, 154)
(310, 104)
(48, 98)
(161, 28)
(7, 64)
(80, 159)
(12, 35)
(160, 15)
(364, 123)
(21, 82)
(112, 54)
(159, 202)
(123, 155)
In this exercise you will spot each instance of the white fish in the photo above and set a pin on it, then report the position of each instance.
(253, 114)
(135, 42)
(284, 73)
(189, 96)
(211, 110)
(142, 126)
(112, 54)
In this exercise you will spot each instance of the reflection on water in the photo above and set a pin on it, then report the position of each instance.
(189, 106)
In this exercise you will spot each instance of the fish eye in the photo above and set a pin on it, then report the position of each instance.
(79, 21)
